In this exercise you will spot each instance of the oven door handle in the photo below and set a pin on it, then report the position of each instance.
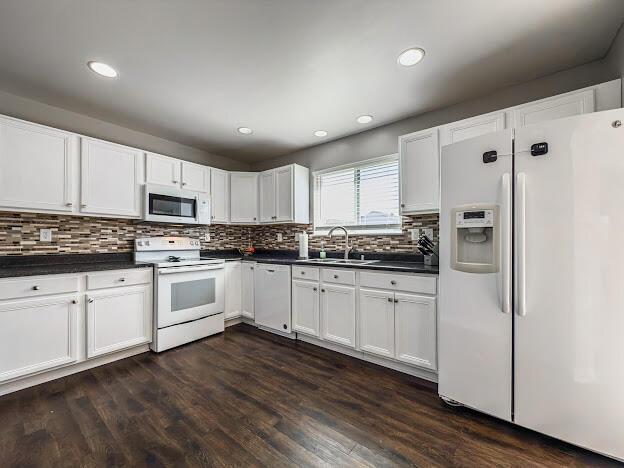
(171, 271)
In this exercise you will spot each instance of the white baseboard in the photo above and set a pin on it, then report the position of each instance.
(22, 383)
(411, 370)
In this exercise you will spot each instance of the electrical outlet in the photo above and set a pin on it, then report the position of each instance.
(280, 238)
(416, 232)
(207, 237)
(45, 235)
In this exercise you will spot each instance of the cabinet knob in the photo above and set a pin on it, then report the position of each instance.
(314, 289)
(35, 288)
(393, 283)
(322, 290)
(389, 299)
(254, 219)
(303, 272)
(402, 205)
(396, 301)
(74, 301)
(335, 276)
(174, 181)
(122, 279)
(251, 268)
(183, 183)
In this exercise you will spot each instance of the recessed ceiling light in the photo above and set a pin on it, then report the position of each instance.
(245, 130)
(410, 57)
(364, 119)
(102, 69)
(320, 133)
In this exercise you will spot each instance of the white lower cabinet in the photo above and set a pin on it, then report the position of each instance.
(247, 293)
(377, 322)
(338, 314)
(415, 329)
(37, 335)
(305, 311)
(118, 318)
(233, 293)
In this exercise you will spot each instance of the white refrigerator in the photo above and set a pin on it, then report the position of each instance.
(531, 318)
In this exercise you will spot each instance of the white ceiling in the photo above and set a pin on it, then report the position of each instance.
(193, 71)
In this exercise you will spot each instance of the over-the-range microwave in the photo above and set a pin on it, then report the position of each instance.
(162, 204)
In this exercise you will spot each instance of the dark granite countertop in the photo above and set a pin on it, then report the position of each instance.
(410, 263)
(54, 264)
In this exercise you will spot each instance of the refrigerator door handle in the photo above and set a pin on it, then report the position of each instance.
(506, 244)
(521, 239)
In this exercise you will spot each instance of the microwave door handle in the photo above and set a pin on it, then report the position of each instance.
(171, 271)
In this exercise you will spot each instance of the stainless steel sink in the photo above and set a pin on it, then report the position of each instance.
(338, 261)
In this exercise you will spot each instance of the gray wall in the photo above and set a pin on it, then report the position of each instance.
(35, 111)
(615, 57)
(383, 140)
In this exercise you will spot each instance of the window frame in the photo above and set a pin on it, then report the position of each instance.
(380, 229)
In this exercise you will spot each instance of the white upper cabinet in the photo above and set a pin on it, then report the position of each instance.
(172, 172)
(267, 196)
(36, 166)
(244, 197)
(220, 195)
(110, 179)
(472, 127)
(420, 171)
(565, 105)
(285, 195)
(162, 170)
(195, 177)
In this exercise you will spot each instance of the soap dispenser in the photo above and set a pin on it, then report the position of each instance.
(322, 253)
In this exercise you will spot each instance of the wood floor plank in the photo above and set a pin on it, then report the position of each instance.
(250, 398)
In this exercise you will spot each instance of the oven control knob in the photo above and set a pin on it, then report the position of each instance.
(139, 242)
(146, 242)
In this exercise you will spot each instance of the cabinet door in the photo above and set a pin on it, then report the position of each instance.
(37, 335)
(415, 330)
(220, 195)
(110, 179)
(247, 307)
(162, 170)
(377, 322)
(233, 293)
(284, 194)
(36, 166)
(473, 127)
(195, 177)
(243, 197)
(420, 171)
(305, 299)
(567, 105)
(118, 318)
(338, 314)
(267, 197)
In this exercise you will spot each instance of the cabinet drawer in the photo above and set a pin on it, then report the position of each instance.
(34, 286)
(307, 273)
(338, 276)
(118, 278)
(410, 283)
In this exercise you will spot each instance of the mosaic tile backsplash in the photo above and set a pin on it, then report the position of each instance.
(19, 235)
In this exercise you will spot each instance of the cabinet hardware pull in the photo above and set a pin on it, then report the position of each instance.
(271, 271)
(335, 276)
(174, 181)
(35, 288)
(90, 300)
(68, 204)
(314, 289)
(74, 301)
(322, 290)
(183, 183)
(303, 272)
(393, 283)
(396, 301)
(122, 279)
(251, 268)
(402, 205)
(389, 299)
(83, 205)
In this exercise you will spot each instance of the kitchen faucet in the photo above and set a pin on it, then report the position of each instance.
(347, 246)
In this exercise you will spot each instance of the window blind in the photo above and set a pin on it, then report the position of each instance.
(361, 197)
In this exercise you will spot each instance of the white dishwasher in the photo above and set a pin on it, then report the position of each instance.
(272, 296)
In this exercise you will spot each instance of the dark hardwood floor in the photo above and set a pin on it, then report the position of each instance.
(249, 398)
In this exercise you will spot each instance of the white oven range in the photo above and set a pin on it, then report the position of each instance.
(188, 290)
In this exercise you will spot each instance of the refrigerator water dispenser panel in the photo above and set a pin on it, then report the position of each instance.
(475, 246)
